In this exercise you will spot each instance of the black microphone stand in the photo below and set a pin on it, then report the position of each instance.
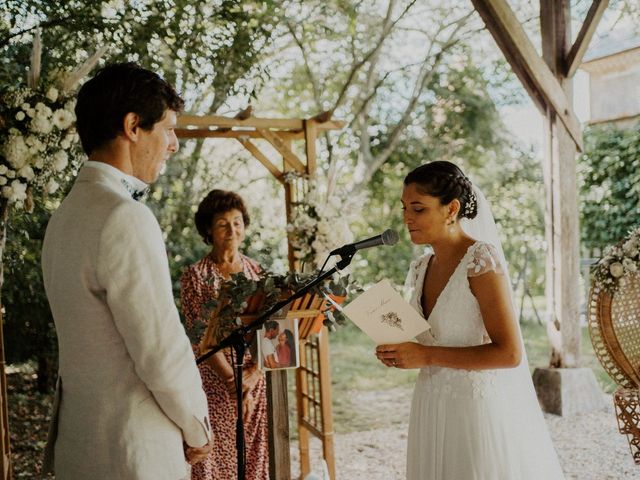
(237, 340)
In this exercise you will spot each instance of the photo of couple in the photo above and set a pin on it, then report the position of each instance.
(278, 345)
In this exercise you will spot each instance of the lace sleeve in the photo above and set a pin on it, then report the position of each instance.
(412, 276)
(484, 258)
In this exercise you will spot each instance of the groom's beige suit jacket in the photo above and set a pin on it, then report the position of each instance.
(129, 390)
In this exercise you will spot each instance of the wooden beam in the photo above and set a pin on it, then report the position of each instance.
(262, 158)
(208, 121)
(535, 75)
(226, 133)
(310, 136)
(579, 47)
(280, 145)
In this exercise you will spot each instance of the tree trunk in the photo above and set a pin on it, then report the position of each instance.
(5, 457)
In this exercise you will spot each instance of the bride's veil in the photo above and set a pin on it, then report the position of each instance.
(483, 228)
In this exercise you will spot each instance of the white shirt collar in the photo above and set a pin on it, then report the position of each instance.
(130, 183)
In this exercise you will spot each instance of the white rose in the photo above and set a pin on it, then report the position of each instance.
(60, 160)
(7, 192)
(65, 143)
(62, 119)
(616, 269)
(52, 94)
(20, 116)
(41, 123)
(10, 174)
(16, 151)
(39, 163)
(25, 106)
(26, 172)
(31, 112)
(3, 169)
(52, 186)
(630, 247)
(629, 265)
(324, 228)
(17, 192)
(41, 107)
(3, 180)
(35, 144)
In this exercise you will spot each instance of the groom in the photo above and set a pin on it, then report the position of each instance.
(129, 400)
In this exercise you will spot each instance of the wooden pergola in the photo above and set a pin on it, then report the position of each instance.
(313, 377)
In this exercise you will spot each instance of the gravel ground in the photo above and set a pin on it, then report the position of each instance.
(589, 445)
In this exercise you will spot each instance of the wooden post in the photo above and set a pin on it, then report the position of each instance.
(561, 216)
(303, 406)
(5, 450)
(325, 396)
(279, 461)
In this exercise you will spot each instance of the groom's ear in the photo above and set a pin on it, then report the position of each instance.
(130, 126)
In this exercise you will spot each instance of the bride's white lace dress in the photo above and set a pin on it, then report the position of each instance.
(472, 425)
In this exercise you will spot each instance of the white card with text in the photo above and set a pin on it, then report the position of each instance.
(385, 316)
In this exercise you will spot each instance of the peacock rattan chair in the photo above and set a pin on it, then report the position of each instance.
(614, 327)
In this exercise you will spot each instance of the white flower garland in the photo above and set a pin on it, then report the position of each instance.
(617, 262)
(318, 225)
(39, 144)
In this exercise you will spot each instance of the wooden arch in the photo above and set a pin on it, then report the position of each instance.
(313, 377)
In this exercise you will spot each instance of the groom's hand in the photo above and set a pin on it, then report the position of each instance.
(197, 454)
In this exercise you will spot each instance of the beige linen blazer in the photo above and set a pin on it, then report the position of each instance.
(129, 390)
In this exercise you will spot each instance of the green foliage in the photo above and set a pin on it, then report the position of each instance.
(240, 295)
(609, 173)
(28, 330)
(202, 47)
(207, 50)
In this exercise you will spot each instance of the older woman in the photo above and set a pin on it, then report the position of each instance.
(221, 220)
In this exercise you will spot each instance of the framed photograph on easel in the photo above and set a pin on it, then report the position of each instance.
(278, 344)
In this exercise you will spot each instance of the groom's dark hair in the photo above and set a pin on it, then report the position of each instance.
(115, 91)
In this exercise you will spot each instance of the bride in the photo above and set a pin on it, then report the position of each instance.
(474, 414)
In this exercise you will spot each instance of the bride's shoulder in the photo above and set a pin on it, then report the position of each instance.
(483, 258)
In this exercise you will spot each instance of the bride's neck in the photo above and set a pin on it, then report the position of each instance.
(451, 247)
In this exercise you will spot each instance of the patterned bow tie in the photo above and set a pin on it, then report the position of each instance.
(135, 194)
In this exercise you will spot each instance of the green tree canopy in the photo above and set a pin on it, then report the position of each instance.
(609, 185)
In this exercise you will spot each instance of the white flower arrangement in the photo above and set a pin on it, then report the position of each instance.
(319, 224)
(617, 262)
(39, 145)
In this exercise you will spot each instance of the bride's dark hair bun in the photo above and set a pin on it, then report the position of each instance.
(445, 181)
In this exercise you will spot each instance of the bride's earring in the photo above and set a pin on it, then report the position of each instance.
(450, 223)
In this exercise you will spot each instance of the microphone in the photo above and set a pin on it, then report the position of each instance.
(388, 237)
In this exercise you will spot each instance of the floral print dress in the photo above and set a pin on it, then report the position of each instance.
(200, 283)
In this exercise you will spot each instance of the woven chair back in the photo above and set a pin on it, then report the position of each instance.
(614, 327)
